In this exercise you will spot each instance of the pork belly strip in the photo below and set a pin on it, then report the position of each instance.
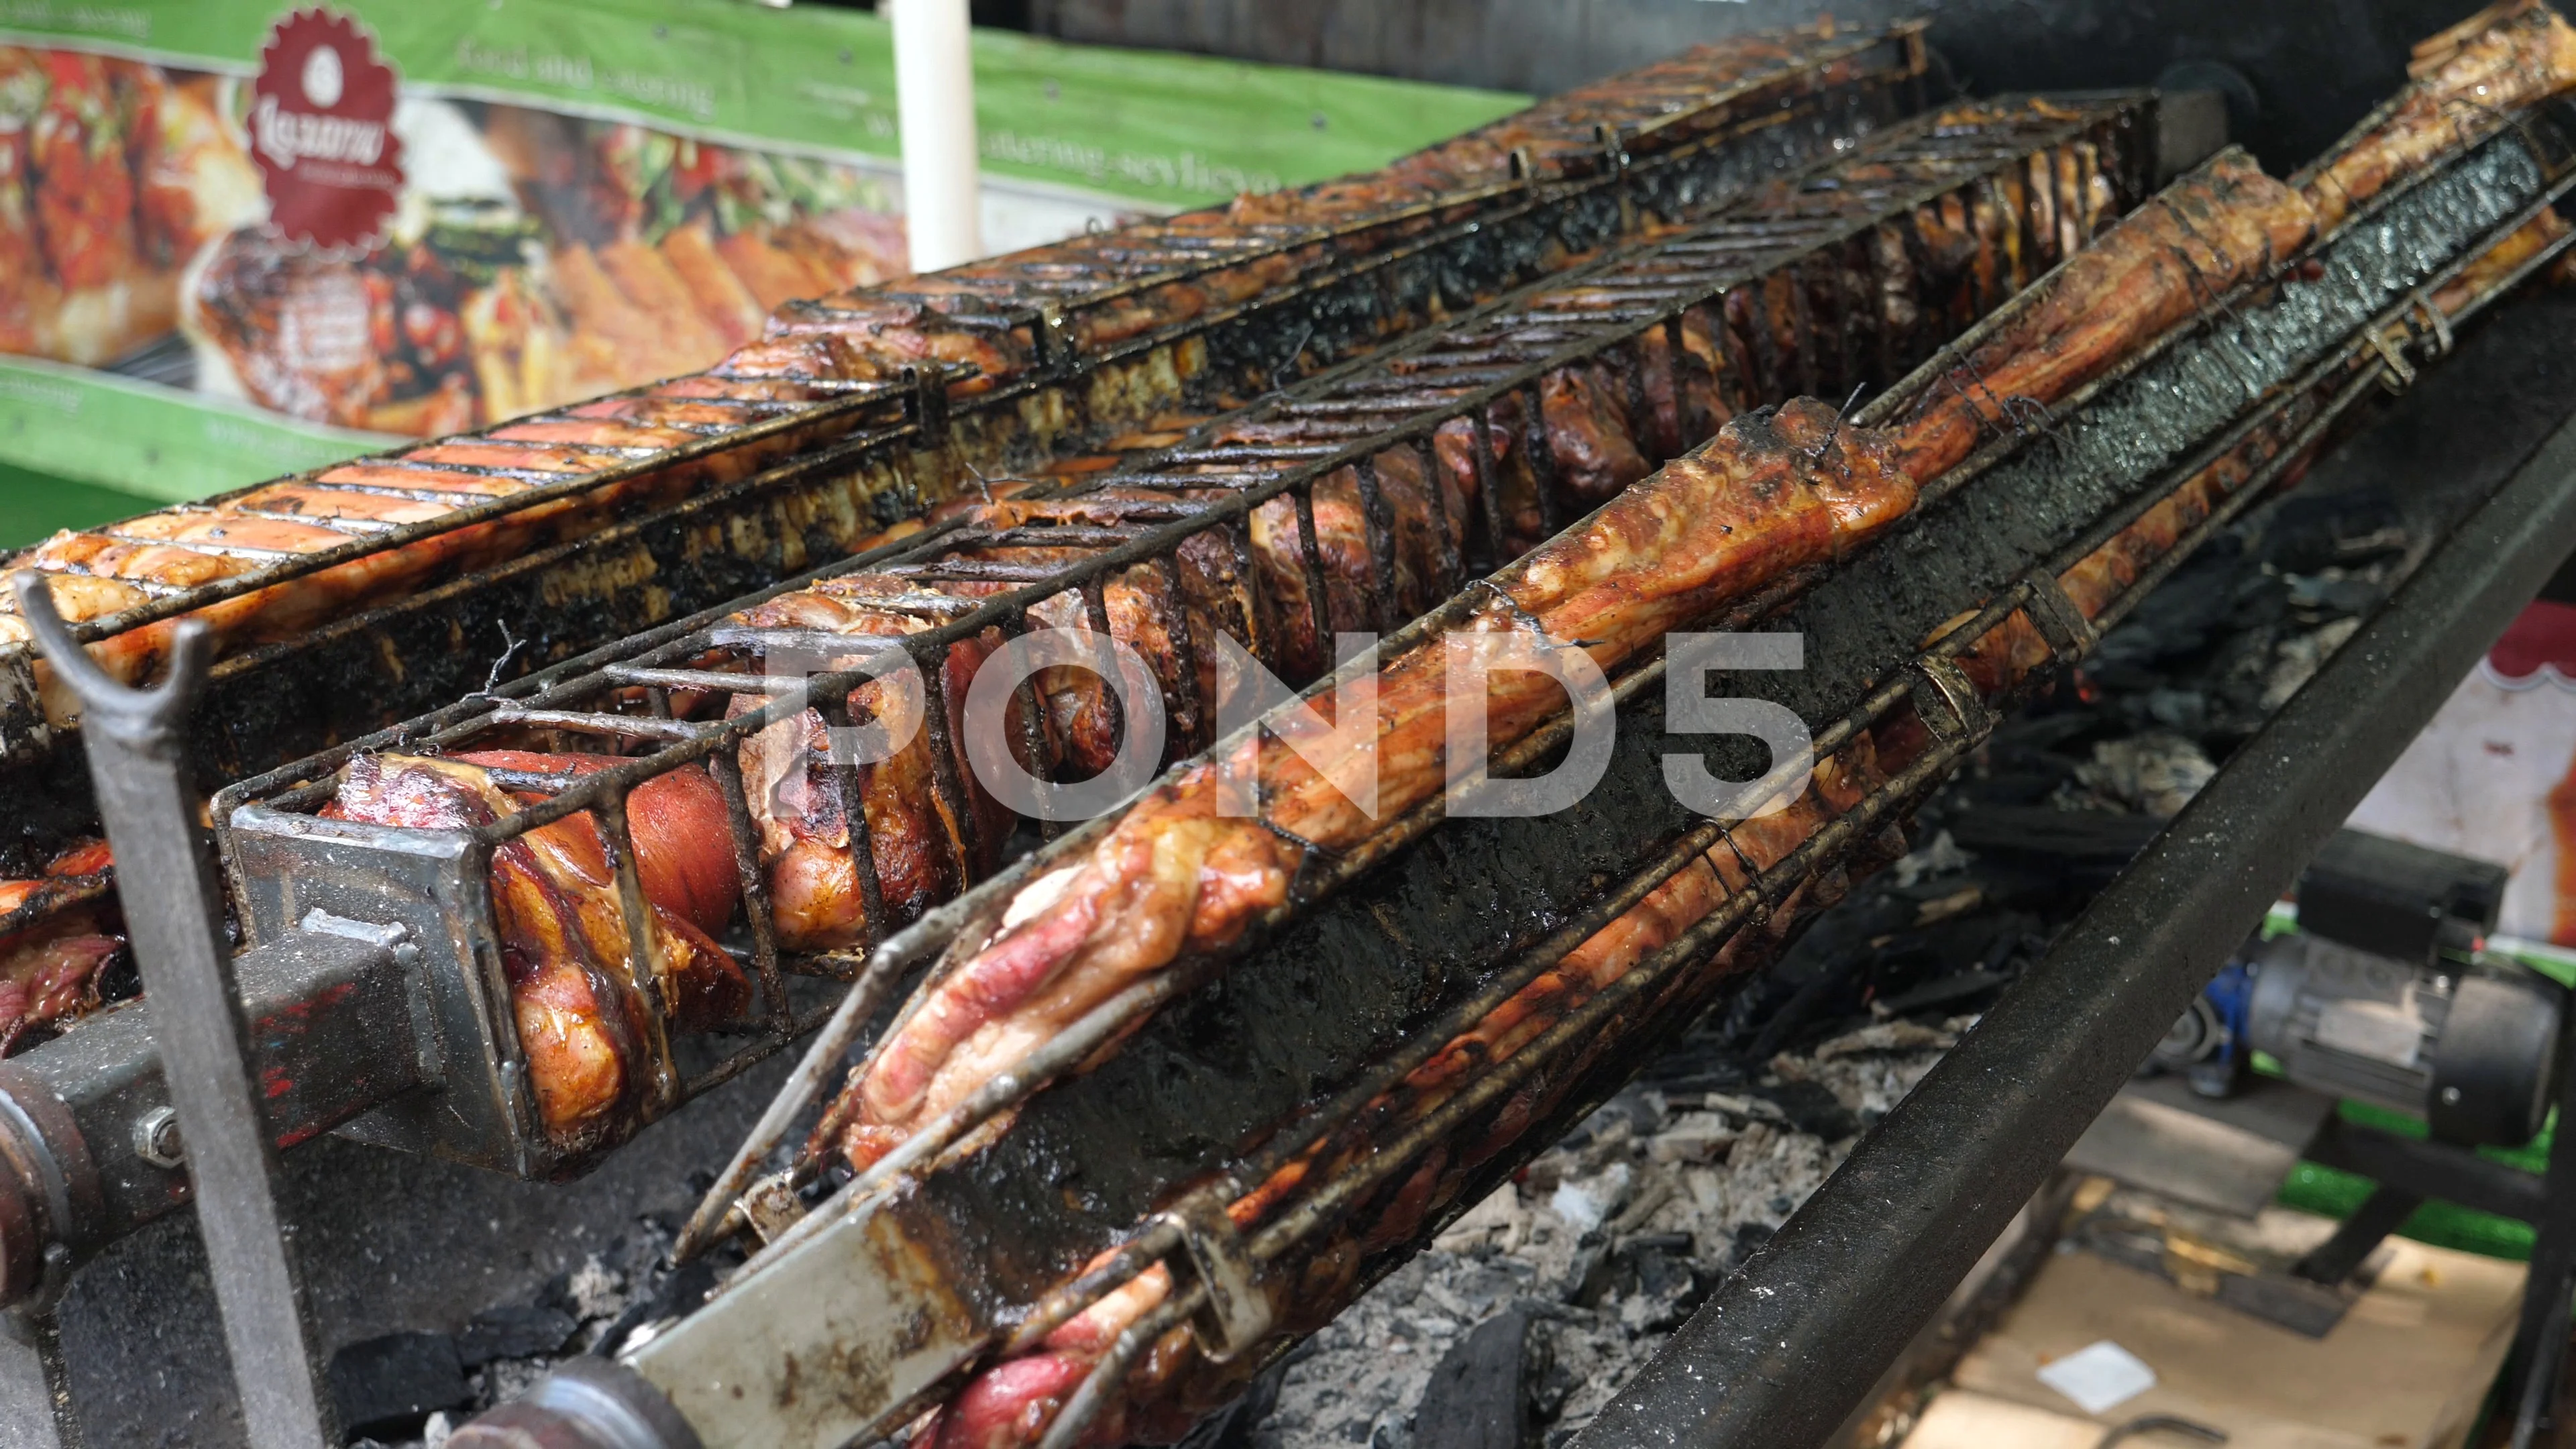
(2466, 81)
(100, 572)
(1715, 526)
(575, 995)
(2223, 225)
(1172, 1384)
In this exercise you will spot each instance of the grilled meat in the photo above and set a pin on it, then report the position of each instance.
(2102, 307)
(1774, 494)
(64, 937)
(1599, 436)
(577, 994)
(2188, 244)
(2466, 81)
(1749, 509)
(123, 566)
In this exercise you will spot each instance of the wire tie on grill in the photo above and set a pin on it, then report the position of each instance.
(1235, 1314)
(1962, 715)
(2069, 634)
(2437, 322)
(1520, 615)
(2398, 374)
(492, 680)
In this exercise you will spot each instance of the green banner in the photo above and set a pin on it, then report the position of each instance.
(1178, 130)
(96, 427)
(593, 193)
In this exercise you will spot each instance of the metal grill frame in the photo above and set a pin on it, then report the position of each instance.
(2314, 401)
(1593, 313)
(1176, 256)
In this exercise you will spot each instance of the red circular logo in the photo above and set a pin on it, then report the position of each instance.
(321, 129)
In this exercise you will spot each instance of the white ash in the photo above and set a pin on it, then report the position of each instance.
(2295, 660)
(1940, 855)
(2155, 773)
(1606, 1243)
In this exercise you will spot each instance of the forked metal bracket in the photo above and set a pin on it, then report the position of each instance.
(1237, 1314)
(139, 764)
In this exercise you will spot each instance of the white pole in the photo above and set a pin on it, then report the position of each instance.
(934, 79)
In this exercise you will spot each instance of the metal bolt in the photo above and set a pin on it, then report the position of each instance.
(156, 1138)
(2450, 1096)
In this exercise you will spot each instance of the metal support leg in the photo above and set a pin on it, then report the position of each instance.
(150, 808)
(2337, 1257)
(2540, 1348)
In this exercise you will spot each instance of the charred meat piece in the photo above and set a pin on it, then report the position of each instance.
(2466, 81)
(57, 936)
(575, 991)
(2224, 225)
(1772, 495)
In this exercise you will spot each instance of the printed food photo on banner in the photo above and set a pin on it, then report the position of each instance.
(239, 239)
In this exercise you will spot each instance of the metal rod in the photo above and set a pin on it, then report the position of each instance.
(149, 803)
(644, 964)
(840, 722)
(1791, 1343)
(744, 836)
(1377, 530)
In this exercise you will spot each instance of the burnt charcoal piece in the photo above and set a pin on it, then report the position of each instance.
(386, 1387)
(2312, 532)
(671, 1294)
(1811, 1108)
(513, 1332)
(2089, 837)
(1477, 1397)
(1666, 1284)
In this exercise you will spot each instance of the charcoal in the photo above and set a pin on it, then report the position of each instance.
(387, 1387)
(2310, 533)
(2321, 597)
(1478, 1397)
(1811, 1108)
(668, 1293)
(1749, 1240)
(514, 1332)
(2090, 837)
(1587, 1277)
(1949, 993)
(1666, 1288)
